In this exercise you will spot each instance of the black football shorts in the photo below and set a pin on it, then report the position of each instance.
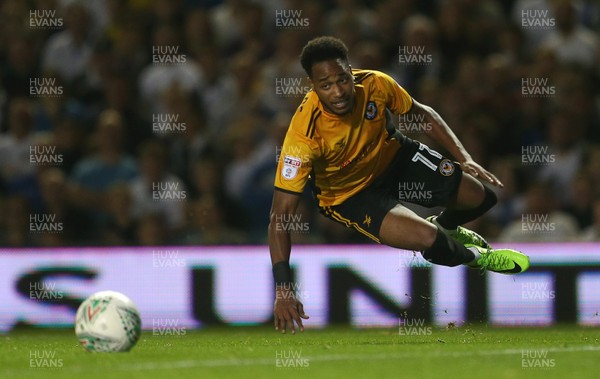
(417, 175)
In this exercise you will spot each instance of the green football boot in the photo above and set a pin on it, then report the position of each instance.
(463, 235)
(503, 261)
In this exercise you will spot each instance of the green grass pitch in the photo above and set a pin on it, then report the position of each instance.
(245, 352)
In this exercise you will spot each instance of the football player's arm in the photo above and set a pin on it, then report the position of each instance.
(442, 134)
(400, 102)
(287, 309)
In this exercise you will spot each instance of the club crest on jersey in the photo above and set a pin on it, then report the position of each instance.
(446, 167)
(290, 167)
(371, 111)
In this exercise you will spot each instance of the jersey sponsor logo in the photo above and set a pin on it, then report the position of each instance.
(363, 153)
(371, 111)
(290, 167)
(446, 167)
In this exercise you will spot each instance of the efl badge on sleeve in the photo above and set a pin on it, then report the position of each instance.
(290, 167)
(371, 111)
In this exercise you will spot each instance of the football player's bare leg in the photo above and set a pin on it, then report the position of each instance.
(404, 229)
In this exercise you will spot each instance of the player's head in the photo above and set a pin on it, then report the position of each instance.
(325, 60)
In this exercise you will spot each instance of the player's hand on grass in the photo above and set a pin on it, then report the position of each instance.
(287, 311)
(473, 168)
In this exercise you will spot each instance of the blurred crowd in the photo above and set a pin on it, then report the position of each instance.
(157, 122)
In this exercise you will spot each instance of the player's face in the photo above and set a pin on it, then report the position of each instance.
(333, 82)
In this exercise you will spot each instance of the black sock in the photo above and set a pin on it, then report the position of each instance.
(446, 251)
(452, 218)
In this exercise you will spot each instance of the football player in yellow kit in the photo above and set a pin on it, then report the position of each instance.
(342, 141)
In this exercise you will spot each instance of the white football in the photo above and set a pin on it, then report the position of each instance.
(107, 321)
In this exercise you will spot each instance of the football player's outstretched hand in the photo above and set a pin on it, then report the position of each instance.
(287, 311)
(473, 168)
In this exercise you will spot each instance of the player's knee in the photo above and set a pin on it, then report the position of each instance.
(490, 199)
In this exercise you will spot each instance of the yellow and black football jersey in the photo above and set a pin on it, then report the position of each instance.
(343, 154)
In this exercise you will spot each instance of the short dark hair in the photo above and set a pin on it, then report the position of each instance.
(322, 49)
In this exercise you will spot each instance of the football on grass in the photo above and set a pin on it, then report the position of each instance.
(107, 321)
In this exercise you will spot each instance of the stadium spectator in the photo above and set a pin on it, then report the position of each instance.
(15, 222)
(541, 219)
(106, 166)
(68, 137)
(17, 171)
(119, 227)
(510, 199)
(208, 226)
(419, 55)
(171, 67)
(565, 153)
(67, 53)
(54, 201)
(199, 33)
(281, 69)
(592, 232)
(151, 231)
(207, 181)
(21, 65)
(156, 190)
(218, 91)
(581, 199)
(571, 41)
(246, 154)
(227, 21)
(119, 93)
